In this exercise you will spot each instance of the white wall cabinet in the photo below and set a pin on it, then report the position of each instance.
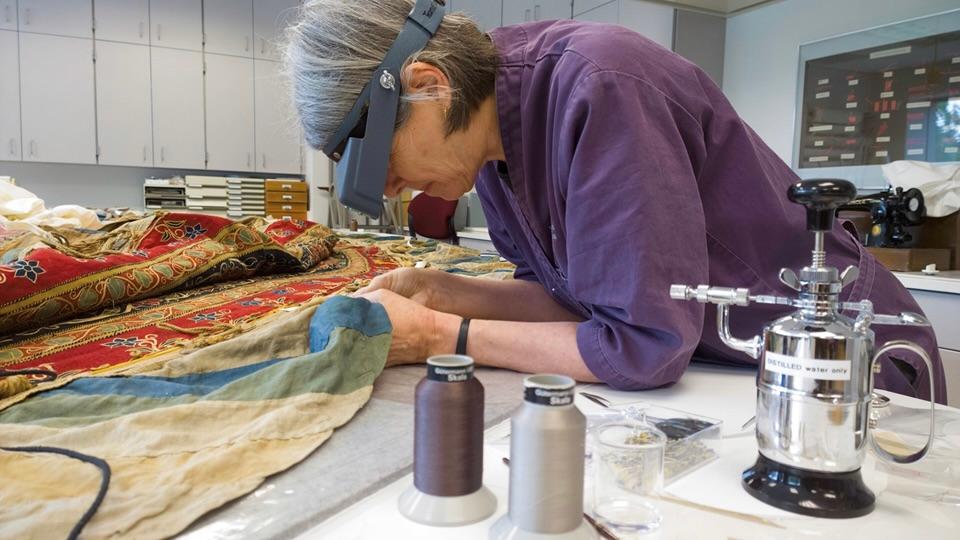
(10, 147)
(124, 126)
(608, 13)
(8, 14)
(127, 21)
(177, 24)
(583, 6)
(177, 108)
(520, 11)
(655, 21)
(278, 134)
(270, 17)
(487, 14)
(60, 17)
(228, 27)
(57, 99)
(229, 95)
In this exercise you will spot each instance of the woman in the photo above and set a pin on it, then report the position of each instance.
(608, 168)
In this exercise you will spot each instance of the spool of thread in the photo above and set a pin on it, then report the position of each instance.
(547, 439)
(448, 447)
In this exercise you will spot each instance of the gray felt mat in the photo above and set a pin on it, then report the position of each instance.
(372, 450)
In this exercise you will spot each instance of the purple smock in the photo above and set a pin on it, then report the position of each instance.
(628, 170)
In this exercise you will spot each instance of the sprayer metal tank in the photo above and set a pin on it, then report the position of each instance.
(816, 376)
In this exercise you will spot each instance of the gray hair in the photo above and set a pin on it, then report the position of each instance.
(335, 45)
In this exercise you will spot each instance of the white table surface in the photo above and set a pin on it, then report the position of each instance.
(944, 282)
(719, 393)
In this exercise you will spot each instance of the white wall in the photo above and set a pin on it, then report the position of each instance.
(763, 47)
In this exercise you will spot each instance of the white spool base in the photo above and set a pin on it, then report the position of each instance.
(504, 529)
(447, 511)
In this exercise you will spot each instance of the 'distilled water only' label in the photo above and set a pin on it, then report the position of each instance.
(814, 368)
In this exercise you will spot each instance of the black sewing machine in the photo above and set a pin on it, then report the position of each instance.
(887, 219)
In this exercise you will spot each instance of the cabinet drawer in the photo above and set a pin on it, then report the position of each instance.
(288, 215)
(286, 185)
(274, 208)
(287, 196)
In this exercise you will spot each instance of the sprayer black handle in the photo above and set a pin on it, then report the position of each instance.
(822, 197)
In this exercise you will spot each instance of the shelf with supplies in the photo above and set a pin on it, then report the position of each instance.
(229, 196)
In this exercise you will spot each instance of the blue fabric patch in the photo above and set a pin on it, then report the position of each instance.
(195, 384)
(358, 314)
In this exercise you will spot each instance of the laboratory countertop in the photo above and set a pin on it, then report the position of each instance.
(709, 502)
(943, 282)
(476, 233)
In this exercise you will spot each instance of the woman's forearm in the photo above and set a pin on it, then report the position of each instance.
(531, 347)
(497, 300)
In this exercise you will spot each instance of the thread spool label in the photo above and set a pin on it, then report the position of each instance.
(449, 374)
(553, 398)
(824, 370)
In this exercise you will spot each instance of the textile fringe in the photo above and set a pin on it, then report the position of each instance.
(11, 386)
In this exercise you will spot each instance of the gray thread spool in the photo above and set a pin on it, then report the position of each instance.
(448, 447)
(547, 438)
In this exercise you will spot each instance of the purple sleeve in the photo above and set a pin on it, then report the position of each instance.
(501, 238)
(634, 225)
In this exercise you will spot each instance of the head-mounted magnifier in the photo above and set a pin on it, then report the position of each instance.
(361, 145)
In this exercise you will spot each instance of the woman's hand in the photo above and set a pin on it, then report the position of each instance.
(418, 284)
(418, 332)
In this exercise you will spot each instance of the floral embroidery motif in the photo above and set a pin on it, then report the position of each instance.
(251, 303)
(199, 317)
(194, 231)
(126, 343)
(140, 253)
(27, 269)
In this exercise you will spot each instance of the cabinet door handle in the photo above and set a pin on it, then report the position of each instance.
(248, 160)
(26, 16)
(159, 28)
(264, 161)
(140, 28)
(144, 153)
(526, 15)
(246, 43)
(287, 197)
(162, 155)
(6, 13)
(263, 46)
(13, 147)
(536, 12)
(33, 147)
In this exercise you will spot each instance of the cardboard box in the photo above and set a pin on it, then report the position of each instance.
(911, 259)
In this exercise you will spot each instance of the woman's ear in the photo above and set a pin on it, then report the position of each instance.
(421, 77)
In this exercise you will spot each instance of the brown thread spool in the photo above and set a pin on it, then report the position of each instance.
(448, 447)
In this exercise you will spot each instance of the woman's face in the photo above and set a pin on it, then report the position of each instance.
(424, 157)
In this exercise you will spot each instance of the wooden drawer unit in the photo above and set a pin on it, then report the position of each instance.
(287, 197)
(286, 186)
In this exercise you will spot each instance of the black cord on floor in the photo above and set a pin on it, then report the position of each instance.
(95, 461)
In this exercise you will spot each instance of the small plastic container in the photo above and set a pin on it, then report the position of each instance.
(692, 440)
(628, 474)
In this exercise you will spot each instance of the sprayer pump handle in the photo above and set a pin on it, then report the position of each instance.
(822, 197)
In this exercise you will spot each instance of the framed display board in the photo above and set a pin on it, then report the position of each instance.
(881, 95)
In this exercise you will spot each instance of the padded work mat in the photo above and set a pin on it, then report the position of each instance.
(373, 450)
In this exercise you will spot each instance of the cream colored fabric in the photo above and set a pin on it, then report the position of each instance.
(19, 205)
(179, 454)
